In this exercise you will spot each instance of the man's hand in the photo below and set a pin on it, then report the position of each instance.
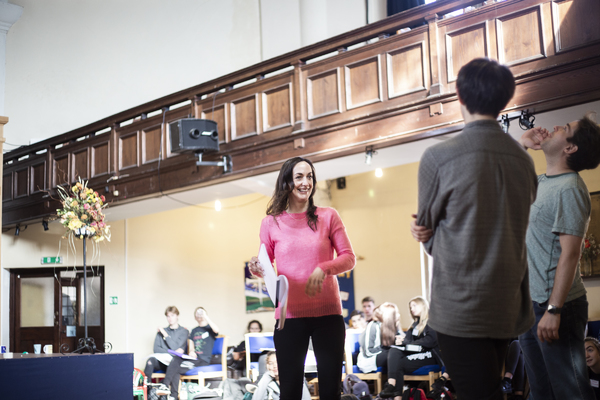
(163, 332)
(315, 282)
(547, 329)
(179, 350)
(532, 138)
(420, 233)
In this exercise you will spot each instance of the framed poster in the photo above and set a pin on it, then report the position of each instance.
(257, 297)
(591, 267)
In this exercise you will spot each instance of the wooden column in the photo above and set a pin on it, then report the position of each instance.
(299, 97)
(3, 121)
(434, 55)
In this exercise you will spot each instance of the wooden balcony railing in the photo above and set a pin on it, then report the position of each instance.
(371, 86)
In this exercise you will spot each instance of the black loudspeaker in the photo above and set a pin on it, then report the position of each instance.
(194, 134)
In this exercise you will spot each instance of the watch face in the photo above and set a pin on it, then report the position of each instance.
(554, 310)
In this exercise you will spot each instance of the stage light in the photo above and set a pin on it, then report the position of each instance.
(45, 225)
(526, 120)
(17, 230)
(369, 153)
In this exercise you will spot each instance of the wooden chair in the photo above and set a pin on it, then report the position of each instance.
(428, 374)
(206, 371)
(352, 345)
(256, 343)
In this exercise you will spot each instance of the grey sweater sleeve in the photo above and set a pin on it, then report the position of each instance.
(261, 392)
(430, 202)
(177, 339)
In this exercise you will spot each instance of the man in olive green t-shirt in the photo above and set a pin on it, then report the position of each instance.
(554, 347)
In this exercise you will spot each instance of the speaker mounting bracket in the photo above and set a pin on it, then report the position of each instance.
(227, 163)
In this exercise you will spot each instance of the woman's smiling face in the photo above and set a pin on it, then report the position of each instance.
(303, 183)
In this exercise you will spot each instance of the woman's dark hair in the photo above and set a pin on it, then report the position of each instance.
(587, 139)
(254, 322)
(284, 186)
(485, 87)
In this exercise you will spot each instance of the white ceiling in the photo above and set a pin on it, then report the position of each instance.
(331, 169)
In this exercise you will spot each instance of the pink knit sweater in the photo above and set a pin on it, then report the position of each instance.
(298, 251)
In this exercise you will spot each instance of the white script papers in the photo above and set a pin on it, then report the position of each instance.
(277, 286)
(184, 356)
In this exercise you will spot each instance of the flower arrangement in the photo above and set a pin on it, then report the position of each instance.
(82, 212)
(591, 249)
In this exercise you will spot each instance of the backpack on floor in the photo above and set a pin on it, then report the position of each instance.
(354, 385)
(414, 394)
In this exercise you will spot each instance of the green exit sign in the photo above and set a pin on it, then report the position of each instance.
(114, 300)
(51, 260)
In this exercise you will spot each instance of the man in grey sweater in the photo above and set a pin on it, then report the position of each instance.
(475, 192)
(173, 337)
(554, 347)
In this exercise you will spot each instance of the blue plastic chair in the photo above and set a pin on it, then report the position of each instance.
(256, 343)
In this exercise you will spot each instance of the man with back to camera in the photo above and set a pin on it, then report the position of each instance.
(475, 192)
(554, 347)
(368, 305)
(173, 337)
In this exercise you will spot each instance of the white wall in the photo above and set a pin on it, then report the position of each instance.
(69, 64)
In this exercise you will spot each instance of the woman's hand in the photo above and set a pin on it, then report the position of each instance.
(315, 282)
(255, 268)
(400, 339)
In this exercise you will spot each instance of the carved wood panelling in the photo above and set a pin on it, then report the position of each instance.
(100, 159)
(128, 151)
(151, 144)
(363, 83)
(464, 45)
(576, 22)
(21, 182)
(219, 115)
(7, 186)
(406, 70)
(61, 170)
(38, 177)
(80, 165)
(520, 37)
(323, 94)
(277, 108)
(244, 117)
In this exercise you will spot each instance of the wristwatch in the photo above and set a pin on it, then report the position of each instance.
(552, 309)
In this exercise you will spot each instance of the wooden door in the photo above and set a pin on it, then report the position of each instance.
(47, 308)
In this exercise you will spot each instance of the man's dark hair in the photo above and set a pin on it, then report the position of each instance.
(484, 86)
(368, 298)
(587, 139)
(357, 312)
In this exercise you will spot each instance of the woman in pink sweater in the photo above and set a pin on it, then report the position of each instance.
(302, 238)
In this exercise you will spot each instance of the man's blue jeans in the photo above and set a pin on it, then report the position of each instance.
(557, 370)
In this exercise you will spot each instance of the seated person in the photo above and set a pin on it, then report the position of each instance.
(239, 352)
(514, 377)
(173, 337)
(592, 359)
(377, 338)
(268, 386)
(357, 320)
(412, 351)
(200, 345)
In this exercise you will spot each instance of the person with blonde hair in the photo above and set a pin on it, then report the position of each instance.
(377, 338)
(413, 350)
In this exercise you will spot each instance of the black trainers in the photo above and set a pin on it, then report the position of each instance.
(439, 384)
(506, 386)
(389, 391)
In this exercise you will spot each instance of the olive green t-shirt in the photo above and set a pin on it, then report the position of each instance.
(562, 205)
